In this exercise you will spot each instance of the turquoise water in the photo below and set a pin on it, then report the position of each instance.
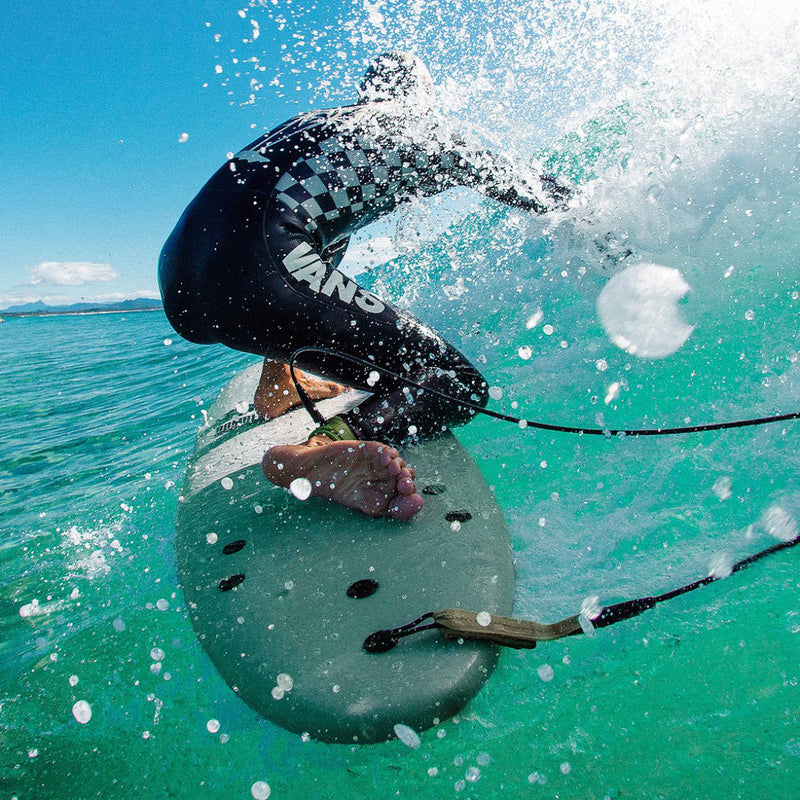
(696, 168)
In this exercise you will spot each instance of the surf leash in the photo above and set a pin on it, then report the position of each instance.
(456, 623)
(308, 404)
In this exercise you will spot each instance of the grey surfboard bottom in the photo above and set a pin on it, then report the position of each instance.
(267, 578)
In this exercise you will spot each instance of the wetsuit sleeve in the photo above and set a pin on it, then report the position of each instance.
(515, 185)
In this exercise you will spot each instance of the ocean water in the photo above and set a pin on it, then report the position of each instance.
(682, 130)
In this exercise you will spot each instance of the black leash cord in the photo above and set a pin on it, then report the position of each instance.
(308, 404)
(456, 623)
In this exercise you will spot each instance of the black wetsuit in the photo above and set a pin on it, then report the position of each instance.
(252, 261)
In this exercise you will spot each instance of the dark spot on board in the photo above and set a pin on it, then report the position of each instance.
(234, 547)
(362, 588)
(434, 488)
(231, 582)
(458, 516)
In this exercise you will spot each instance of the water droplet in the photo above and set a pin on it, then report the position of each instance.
(277, 693)
(722, 488)
(157, 654)
(545, 672)
(285, 681)
(534, 320)
(483, 618)
(167, 342)
(750, 315)
(184, 137)
(524, 352)
(212, 538)
(212, 726)
(495, 392)
(73, 680)
(82, 712)
(227, 484)
(565, 768)
(300, 488)
(473, 774)
(162, 605)
(373, 378)
(407, 735)
(721, 566)
(260, 790)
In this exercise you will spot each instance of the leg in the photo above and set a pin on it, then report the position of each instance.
(276, 392)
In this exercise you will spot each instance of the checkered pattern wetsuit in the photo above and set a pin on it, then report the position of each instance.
(252, 261)
(342, 168)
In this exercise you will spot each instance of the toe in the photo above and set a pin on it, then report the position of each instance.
(404, 508)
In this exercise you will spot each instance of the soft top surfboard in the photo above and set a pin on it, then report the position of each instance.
(282, 592)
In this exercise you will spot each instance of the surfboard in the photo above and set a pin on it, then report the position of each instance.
(283, 592)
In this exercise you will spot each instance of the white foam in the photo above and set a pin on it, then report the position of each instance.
(638, 309)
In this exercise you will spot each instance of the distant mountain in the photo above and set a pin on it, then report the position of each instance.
(41, 308)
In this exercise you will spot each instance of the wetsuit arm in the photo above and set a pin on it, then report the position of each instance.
(530, 189)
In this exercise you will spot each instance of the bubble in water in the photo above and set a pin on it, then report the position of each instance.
(82, 711)
(157, 654)
(167, 342)
(260, 790)
(162, 604)
(407, 735)
(212, 726)
(184, 137)
(495, 392)
(566, 767)
(484, 619)
(483, 759)
(227, 484)
(300, 488)
(73, 680)
(545, 672)
(212, 538)
(524, 352)
(749, 315)
(373, 377)
(277, 693)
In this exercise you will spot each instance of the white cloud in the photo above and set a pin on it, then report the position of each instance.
(71, 273)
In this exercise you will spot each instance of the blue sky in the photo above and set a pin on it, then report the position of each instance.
(96, 97)
(116, 113)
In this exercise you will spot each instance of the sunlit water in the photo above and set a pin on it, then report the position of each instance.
(682, 129)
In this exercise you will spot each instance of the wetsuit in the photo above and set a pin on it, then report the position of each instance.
(252, 261)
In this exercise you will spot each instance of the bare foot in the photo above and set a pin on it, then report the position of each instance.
(367, 476)
(276, 394)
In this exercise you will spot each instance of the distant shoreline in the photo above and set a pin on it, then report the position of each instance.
(17, 314)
